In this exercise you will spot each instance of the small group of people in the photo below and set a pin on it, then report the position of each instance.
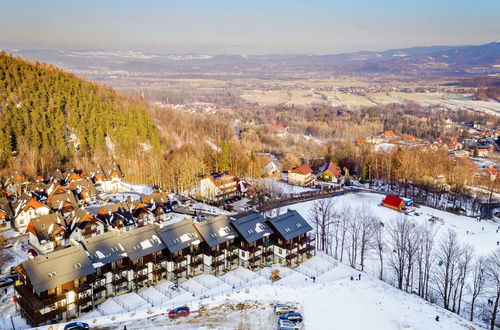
(359, 277)
(490, 302)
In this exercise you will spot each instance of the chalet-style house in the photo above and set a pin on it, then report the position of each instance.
(108, 257)
(141, 246)
(6, 213)
(218, 187)
(53, 286)
(254, 242)
(85, 190)
(394, 202)
(159, 205)
(54, 231)
(218, 246)
(290, 240)
(46, 232)
(27, 208)
(64, 202)
(329, 173)
(183, 255)
(112, 177)
(269, 164)
(301, 175)
(491, 173)
(117, 216)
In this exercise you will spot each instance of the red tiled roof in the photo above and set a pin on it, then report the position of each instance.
(304, 169)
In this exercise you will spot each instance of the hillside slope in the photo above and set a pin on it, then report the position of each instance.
(43, 108)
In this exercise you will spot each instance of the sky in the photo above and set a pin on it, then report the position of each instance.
(246, 26)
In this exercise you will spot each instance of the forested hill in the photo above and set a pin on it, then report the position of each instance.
(45, 109)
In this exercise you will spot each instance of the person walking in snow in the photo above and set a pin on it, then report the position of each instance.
(314, 279)
(352, 278)
(359, 276)
(437, 318)
(498, 243)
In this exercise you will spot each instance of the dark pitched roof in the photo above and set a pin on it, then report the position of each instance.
(290, 225)
(6, 207)
(104, 249)
(79, 185)
(140, 242)
(252, 227)
(56, 268)
(216, 230)
(179, 235)
(58, 201)
(46, 226)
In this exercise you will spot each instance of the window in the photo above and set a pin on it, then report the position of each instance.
(298, 225)
(280, 251)
(52, 274)
(191, 235)
(262, 227)
(213, 235)
(43, 226)
(287, 230)
(77, 266)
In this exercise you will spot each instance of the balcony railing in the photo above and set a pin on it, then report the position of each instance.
(99, 289)
(83, 301)
(306, 249)
(180, 270)
(119, 269)
(196, 262)
(215, 254)
(120, 281)
(140, 278)
(82, 288)
(307, 239)
(217, 263)
(140, 267)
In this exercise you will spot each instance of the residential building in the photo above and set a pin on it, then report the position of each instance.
(291, 242)
(218, 187)
(301, 175)
(254, 243)
(183, 255)
(52, 287)
(218, 245)
(329, 172)
(394, 203)
(27, 208)
(6, 213)
(46, 232)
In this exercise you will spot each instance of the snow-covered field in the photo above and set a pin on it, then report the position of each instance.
(482, 235)
(334, 301)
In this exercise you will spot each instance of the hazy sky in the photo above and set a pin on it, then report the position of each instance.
(253, 26)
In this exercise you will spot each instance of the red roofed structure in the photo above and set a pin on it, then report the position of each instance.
(394, 202)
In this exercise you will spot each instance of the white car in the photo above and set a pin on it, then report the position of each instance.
(283, 309)
(287, 325)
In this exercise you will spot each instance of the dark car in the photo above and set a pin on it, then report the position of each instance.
(76, 326)
(6, 281)
(179, 311)
(32, 252)
(295, 317)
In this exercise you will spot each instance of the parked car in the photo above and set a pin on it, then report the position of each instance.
(8, 245)
(230, 208)
(32, 252)
(295, 317)
(6, 281)
(179, 311)
(287, 325)
(76, 326)
(283, 309)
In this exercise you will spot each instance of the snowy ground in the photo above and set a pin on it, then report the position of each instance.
(334, 301)
(481, 235)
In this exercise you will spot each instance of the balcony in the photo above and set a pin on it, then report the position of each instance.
(159, 271)
(267, 253)
(231, 257)
(99, 289)
(307, 239)
(254, 259)
(180, 270)
(140, 267)
(180, 258)
(83, 301)
(119, 269)
(160, 257)
(120, 281)
(215, 254)
(82, 288)
(140, 278)
(290, 256)
(308, 248)
(218, 263)
(197, 262)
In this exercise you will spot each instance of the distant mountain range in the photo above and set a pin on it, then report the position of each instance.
(415, 61)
